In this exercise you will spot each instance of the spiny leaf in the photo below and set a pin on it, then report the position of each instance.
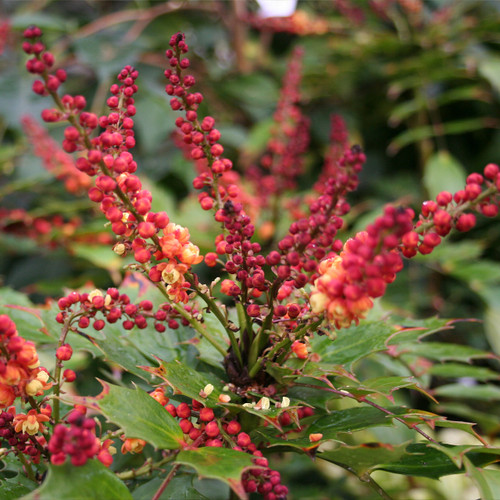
(91, 481)
(138, 414)
(219, 463)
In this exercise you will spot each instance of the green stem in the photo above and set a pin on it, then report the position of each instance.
(147, 468)
(214, 308)
(57, 372)
(27, 466)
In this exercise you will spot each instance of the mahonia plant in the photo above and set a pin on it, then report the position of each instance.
(272, 302)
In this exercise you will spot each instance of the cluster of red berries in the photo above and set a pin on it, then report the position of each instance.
(369, 261)
(20, 441)
(112, 306)
(339, 143)
(283, 161)
(201, 427)
(78, 442)
(20, 372)
(51, 231)
(453, 211)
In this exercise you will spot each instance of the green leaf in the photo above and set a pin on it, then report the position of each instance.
(487, 480)
(489, 67)
(442, 172)
(421, 459)
(138, 414)
(486, 392)
(180, 488)
(92, 481)
(352, 420)
(457, 370)
(364, 458)
(119, 350)
(190, 383)
(354, 343)
(441, 351)
(218, 463)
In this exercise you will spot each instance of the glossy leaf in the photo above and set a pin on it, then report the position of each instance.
(423, 460)
(364, 458)
(138, 414)
(189, 382)
(180, 488)
(353, 344)
(353, 419)
(218, 463)
(441, 351)
(91, 481)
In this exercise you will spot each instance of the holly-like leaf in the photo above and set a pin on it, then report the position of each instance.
(353, 344)
(364, 458)
(91, 481)
(441, 351)
(353, 419)
(137, 413)
(180, 488)
(218, 463)
(421, 459)
(190, 383)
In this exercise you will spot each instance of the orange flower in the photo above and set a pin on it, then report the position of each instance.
(7, 395)
(30, 423)
(132, 445)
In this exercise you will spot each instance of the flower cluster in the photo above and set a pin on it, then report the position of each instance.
(18, 433)
(78, 442)
(56, 161)
(201, 428)
(454, 211)
(20, 373)
(98, 307)
(50, 230)
(369, 261)
(283, 161)
(123, 201)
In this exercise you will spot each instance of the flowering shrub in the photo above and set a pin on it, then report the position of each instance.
(259, 360)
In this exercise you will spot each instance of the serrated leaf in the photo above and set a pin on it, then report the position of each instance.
(364, 458)
(137, 413)
(91, 481)
(352, 420)
(189, 382)
(423, 460)
(441, 351)
(180, 488)
(442, 172)
(218, 463)
(353, 344)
